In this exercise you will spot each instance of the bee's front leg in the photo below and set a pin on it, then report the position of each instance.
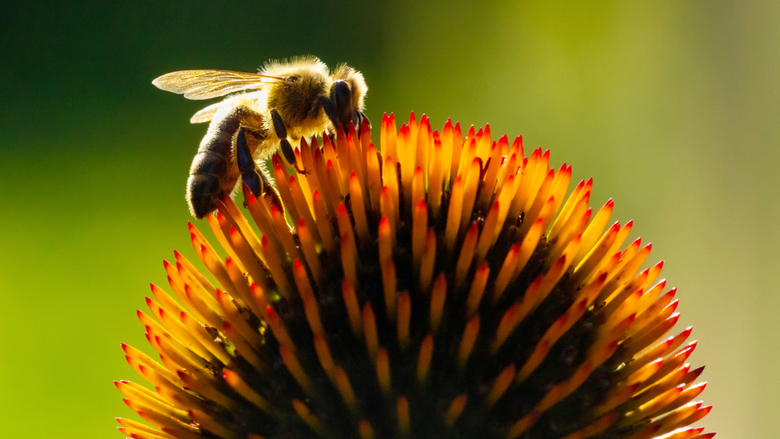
(284, 144)
(330, 111)
(362, 120)
(251, 174)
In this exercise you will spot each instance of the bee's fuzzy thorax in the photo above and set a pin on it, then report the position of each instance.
(282, 67)
(445, 287)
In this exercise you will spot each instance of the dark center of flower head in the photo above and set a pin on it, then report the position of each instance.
(443, 288)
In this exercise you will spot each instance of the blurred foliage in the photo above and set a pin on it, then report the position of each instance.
(672, 107)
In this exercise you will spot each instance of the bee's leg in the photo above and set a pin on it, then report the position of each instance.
(361, 119)
(330, 111)
(284, 144)
(251, 174)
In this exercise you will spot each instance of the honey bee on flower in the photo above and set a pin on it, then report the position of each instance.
(287, 99)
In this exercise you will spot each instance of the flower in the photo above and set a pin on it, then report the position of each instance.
(441, 288)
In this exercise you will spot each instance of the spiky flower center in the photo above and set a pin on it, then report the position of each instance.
(445, 287)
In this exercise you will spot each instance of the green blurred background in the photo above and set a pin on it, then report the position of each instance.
(672, 107)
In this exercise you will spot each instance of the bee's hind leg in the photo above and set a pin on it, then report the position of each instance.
(251, 174)
(284, 144)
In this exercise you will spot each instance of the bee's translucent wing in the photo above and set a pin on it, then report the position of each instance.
(206, 84)
(206, 114)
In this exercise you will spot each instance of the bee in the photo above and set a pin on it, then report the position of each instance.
(262, 112)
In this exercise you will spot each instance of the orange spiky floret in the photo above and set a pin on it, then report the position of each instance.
(434, 287)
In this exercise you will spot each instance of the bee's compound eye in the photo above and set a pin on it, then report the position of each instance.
(293, 78)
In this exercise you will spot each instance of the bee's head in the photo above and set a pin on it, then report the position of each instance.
(355, 82)
(347, 94)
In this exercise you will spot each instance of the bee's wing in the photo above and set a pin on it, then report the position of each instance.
(206, 84)
(205, 114)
